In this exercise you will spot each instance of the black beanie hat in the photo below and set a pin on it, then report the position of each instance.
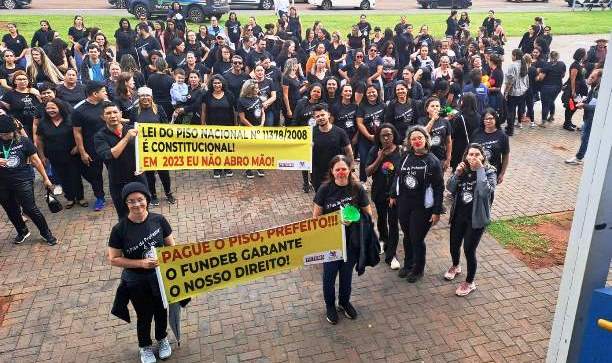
(135, 187)
(7, 125)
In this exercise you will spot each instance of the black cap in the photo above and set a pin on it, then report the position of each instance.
(135, 187)
(7, 125)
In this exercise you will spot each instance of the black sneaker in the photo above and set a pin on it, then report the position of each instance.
(22, 237)
(229, 173)
(569, 128)
(413, 277)
(154, 201)
(170, 198)
(51, 241)
(403, 272)
(332, 316)
(261, 173)
(349, 311)
(250, 174)
(306, 188)
(216, 174)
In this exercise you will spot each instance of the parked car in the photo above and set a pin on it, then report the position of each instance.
(459, 4)
(261, 4)
(193, 10)
(119, 4)
(14, 4)
(328, 4)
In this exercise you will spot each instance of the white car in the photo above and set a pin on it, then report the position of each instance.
(328, 4)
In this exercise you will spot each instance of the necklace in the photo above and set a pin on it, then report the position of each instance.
(6, 151)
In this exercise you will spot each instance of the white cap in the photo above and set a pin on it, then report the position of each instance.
(145, 91)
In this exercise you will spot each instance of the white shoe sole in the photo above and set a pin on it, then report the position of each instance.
(23, 239)
(466, 293)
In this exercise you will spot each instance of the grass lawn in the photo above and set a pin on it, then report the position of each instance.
(515, 24)
(518, 234)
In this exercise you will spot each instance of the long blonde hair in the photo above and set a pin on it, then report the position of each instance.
(47, 66)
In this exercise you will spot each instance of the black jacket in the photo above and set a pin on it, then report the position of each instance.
(363, 236)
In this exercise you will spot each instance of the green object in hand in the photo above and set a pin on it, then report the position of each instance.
(350, 213)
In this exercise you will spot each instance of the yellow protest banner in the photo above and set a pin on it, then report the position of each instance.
(177, 147)
(188, 270)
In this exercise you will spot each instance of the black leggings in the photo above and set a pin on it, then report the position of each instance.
(147, 302)
(415, 224)
(164, 176)
(461, 231)
(388, 227)
(14, 195)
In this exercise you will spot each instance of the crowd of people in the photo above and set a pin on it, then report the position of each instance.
(407, 106)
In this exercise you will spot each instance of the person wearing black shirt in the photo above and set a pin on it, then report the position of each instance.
(236, 77)
(42, 36)
(464, 124)
(440, 132)
(17, 181)
(86, 122)
(341, 190)
(232, 27)
(115, 145)
(161, 83)
(574, 86)
(17, 43)
(328, 141)
(472, 186)
(267, 94)
(71, 91)
(489, 23)
(344, 114)
(176, 54)
(552, 79)
(452, 26)
(364, 29)
(55, 142)
(356, 73)
(417, 190)
(304, 110)
(495, 143)
(251, 112)
(23, 103)
(400, 111)
(8, 69)
(257, 53)
(145, 44)
(293, 85)
(130, 246)
(125, 38)
(382, 163)
(370, 115)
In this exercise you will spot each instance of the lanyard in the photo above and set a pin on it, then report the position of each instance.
(6, 151)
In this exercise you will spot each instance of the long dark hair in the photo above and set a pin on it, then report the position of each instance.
(396, 137)
(63, 110)
(517, 54)
(469, 104)
(353, 182)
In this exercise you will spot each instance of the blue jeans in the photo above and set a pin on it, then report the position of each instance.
(584, 138)
(363, 147)
(269, 117)
(549, 94)
(345, 270)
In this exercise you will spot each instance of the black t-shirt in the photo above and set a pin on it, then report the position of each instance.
(356, 75)
(416, 173)
(304, 113)
(331, 197)
(495, 145)
(364, 28)
(76, 34)
(581, 88)
(440, 131)
(235, 82)
(355, 42)
(148, 116)
(233, 28)
(135, 240)
(17, 44)
(221, 68)
(265, 89)
(497, 78)
(252, 108)
(345, 117)
(144, 47)
(121, 169)
(294, 85)
(126, 40)
(58, 140)
(373, 115)
(326, 145)
(465, 194)
(200, 68)
(400, 115)
(72, 96)
(7, 74)
(219, 111)
(161, 85)
(383, 176)
(554, 73)
(89, 118)
(25, 107)
(175, 60)
(17, 169)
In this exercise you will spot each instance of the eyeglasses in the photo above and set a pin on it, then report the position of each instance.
(136, 201)
(237, 62)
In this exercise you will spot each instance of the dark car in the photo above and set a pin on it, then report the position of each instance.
(14, 4)
(195, 11)
(459, 4)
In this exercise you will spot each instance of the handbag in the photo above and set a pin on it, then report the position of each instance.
(54, 205)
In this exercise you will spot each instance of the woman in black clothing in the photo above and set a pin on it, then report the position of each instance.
(193, 105)
(337, 53)
(17, 43)
(575, 87)
(472, 186)
(331, 90)
(42, 69)
(106, 52)
(382, 163)
(295, 26)
(23, 103)
(400, 110)
(128, 64)
(356, 73)
(251, 112)
(125, 38)
(161, 83)
(175, 56)
(42, 36)
(496, 80)
(417, 191)
(224, 64)
(293, 85)
(287, 51)
(452, 25)
(130, 247)
(232, 27)
(125, 93)
(440, 131)
(17, 181)
(552, 78)
(344, 114)
(218, 107)
(147, 111)
(526, 44)
(58, 54)
(464, 124)
(341, 189)
(56, 143)
(304, 108)
(494, 141)
(8, 69)
(370, 115)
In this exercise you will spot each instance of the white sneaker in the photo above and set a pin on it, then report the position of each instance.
(57, 190)
(382, 247)
(165, 350)
(147, 355)
(573, 161)
(452, 272)
(532, 125)
(395, 265)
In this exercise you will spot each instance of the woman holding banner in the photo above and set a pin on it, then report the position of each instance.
(342, 189)
(130, 247)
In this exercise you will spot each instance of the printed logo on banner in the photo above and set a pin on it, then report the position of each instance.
(322, 257)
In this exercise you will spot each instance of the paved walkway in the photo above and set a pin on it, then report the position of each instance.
(57, 299)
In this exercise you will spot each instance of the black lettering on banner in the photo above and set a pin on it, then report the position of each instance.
(175, 291)
(261, 266)
(206, 281)
(145, 146)
(171, 274)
